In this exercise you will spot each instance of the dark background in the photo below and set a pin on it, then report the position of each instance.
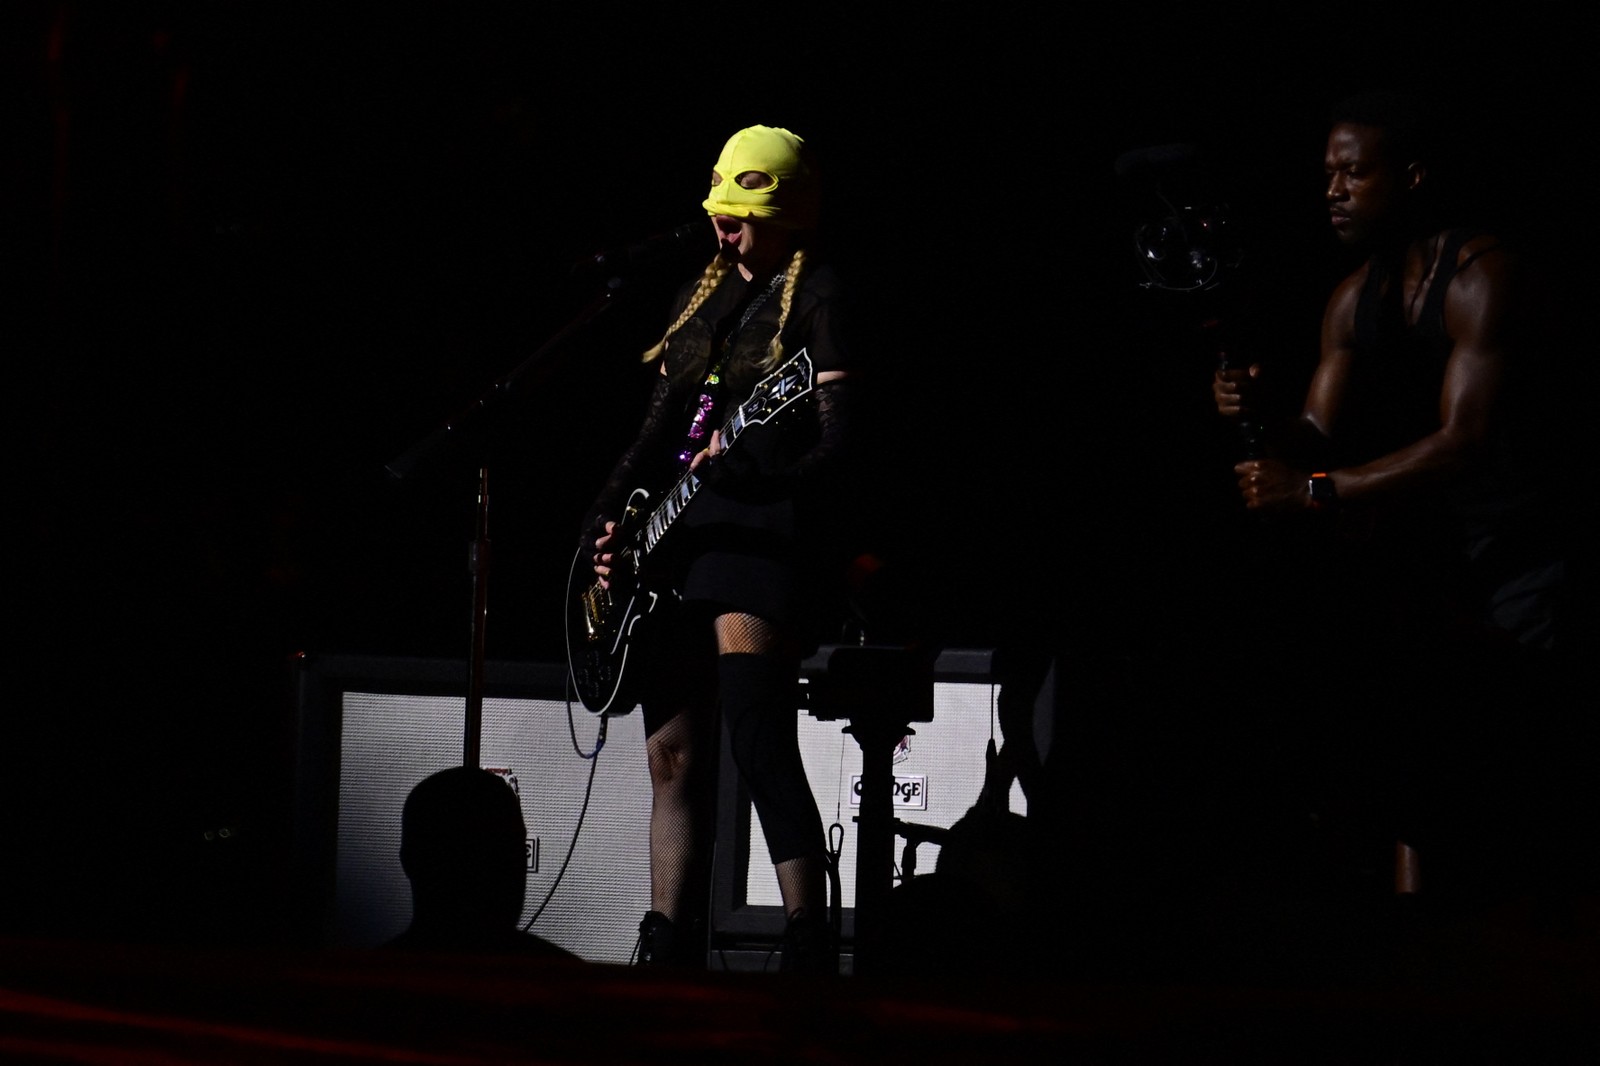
(259, 251)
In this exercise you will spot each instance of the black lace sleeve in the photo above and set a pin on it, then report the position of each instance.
(736, 475)
(633, 469)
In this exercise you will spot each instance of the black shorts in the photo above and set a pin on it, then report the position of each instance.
(680, 664)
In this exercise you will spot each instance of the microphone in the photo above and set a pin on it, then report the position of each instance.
(1186, 243)
(692, 239)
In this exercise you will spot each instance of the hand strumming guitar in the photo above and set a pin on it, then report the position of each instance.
(602, 557)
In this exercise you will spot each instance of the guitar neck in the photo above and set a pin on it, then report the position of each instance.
(673, 503)
(771, 395)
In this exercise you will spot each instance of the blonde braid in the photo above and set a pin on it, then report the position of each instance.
(710, 278)
(791, 280)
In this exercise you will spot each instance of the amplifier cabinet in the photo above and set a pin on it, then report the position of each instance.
(372, 728)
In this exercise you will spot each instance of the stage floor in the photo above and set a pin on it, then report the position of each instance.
(1505, 999)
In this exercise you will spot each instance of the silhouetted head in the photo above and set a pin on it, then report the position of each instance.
(463, 845)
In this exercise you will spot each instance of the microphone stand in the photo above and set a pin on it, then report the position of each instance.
(1251, 433)
(470, 428)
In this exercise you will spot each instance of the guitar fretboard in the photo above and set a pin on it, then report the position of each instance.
(672, 506)
(771, 395)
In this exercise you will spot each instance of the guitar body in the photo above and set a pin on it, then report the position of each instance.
(606, 627)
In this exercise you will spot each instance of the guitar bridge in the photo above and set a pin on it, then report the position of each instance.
(596, 605)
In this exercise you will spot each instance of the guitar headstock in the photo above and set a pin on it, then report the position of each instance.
(778, 389)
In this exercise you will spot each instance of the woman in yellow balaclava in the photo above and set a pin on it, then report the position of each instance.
(751, 570)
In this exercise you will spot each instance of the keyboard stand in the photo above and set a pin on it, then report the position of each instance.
(880, 690)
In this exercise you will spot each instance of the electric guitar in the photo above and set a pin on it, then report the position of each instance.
(606, 626)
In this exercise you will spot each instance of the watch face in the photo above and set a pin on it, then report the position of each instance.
(1322, 490)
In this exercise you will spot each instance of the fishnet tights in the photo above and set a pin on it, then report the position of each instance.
(679, 800)
(747, 634)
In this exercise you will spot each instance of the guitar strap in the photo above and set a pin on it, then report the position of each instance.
(711, 390)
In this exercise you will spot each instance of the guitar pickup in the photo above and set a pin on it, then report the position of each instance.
(596, 605)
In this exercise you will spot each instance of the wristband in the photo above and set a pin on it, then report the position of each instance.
(1324, 496)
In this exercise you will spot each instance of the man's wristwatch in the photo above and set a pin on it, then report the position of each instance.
(1324, 496)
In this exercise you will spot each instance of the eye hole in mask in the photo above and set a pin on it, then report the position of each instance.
(752, 180)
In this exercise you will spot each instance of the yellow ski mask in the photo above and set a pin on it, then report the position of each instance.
(788, 194)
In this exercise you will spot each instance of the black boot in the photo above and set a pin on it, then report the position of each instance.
(808, 945)
(658, 940)
(664, 942)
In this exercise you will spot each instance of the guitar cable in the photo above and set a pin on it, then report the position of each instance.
(583, 811)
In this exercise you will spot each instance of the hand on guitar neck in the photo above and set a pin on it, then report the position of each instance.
(603, 558)
(697, 465)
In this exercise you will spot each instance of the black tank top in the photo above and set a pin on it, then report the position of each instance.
(1398, 381)
(1400, 365)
